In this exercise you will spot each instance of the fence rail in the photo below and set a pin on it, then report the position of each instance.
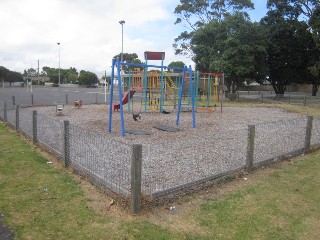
(158, 170)
(288, 98)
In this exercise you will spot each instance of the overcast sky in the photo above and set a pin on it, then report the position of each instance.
(89, 32)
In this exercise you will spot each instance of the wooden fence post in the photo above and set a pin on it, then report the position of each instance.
(136, 168)
(66, 145)
(250, 147)
(17, 116)
(35, 126)
(308, 133)
(5, 112)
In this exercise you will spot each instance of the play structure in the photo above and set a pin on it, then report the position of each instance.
(125, 99)
(184, 90)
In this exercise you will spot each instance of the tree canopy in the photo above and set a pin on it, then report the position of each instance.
(284, 46)
(194, 14)
(293, 49)
(129, 58)
(233, 45)
(173, 64)
(10, 76)
(87, 78)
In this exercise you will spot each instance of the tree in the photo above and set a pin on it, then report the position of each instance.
(179, 64)
(3, 73)
(14, 77)
(52, 73)
(289, 47)
(194, 14)
(31, 72)
(87, 78)
(307, 11)
(70, 75)
(233, 45)
(129, 58)
(293, 9)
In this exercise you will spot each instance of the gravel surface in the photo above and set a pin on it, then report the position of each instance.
(95, 118)
(170, 159)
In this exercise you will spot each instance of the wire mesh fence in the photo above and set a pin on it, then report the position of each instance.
(185, 162)
(50, 134)
(315, 134)
(280, 138)
(290, 98)
(168, 167)
(103, 159)
(26, 122)
(2, 105)
(11, 117)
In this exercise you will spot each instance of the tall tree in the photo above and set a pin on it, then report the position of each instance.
(14, 77)
(31, 72)
(87, 78)
(52, 73)
(233, 45)
(3, 72)
(193, 14)
(129, 58)
(293, 9)
(288, 50)
(179, 64)
(307, 11)
(70, 75)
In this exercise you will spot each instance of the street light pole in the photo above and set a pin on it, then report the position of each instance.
(59, 62)
(122, 22)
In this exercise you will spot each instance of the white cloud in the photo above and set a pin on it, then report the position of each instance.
(89, 32)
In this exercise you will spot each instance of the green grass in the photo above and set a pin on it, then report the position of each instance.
(41, 201)
(283, 206)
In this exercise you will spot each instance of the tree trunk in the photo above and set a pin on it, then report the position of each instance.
(315, 88)
(279, 88)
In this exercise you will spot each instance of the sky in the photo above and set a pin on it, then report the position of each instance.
(89, 32)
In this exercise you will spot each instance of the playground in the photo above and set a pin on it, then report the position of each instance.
(93, 118)
(159, 104)
(187, 136)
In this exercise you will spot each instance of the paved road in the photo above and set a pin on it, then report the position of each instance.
(50, 95)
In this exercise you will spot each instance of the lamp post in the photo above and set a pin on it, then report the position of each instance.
(59, 61)
(122, 22)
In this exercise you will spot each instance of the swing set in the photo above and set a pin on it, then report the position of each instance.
(154, 88)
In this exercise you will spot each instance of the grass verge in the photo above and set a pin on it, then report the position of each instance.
(40, 201)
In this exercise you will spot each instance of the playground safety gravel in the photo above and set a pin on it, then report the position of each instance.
(95, 118)
(217, 145)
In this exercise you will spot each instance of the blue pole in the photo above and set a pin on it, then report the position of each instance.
(192, 98)
(180, 95)
(120, 99)
(111, 96)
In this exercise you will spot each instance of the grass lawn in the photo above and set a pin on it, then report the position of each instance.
(42, 200)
